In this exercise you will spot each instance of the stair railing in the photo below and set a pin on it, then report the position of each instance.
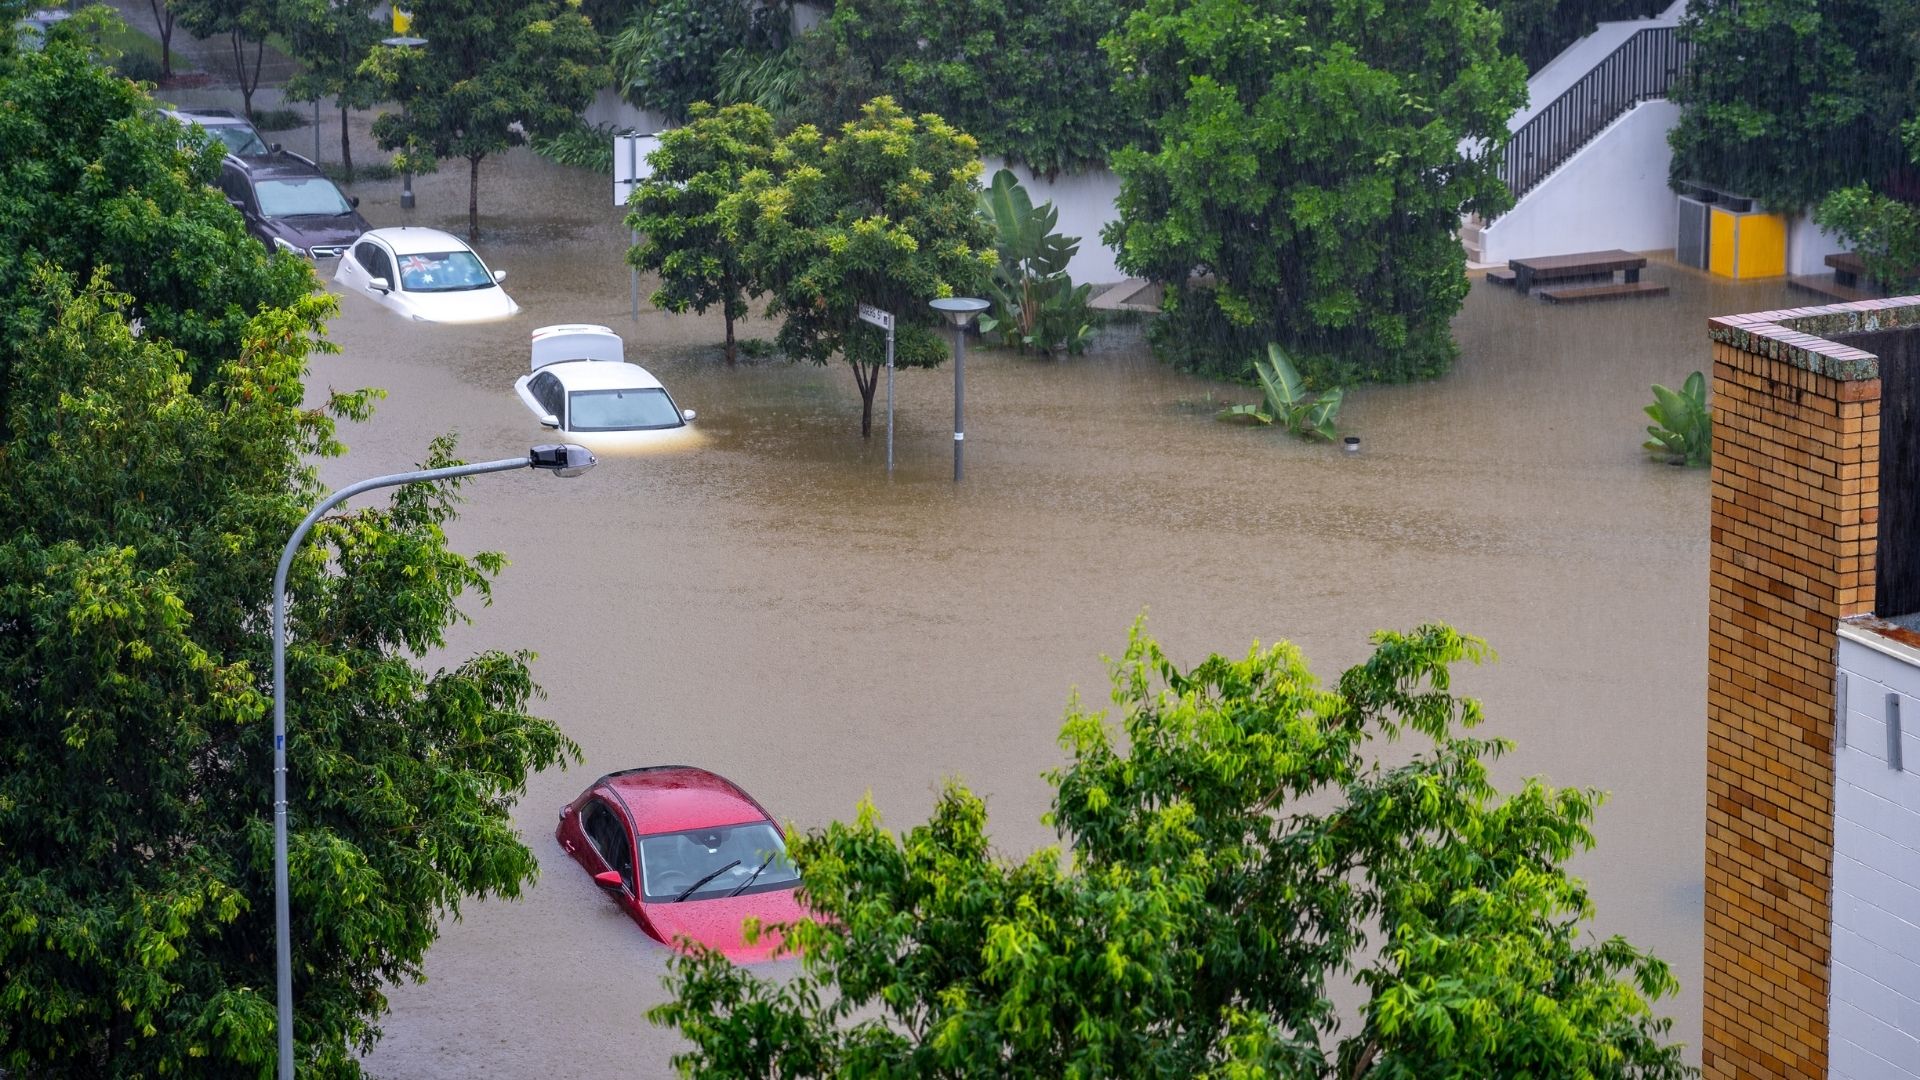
(1644, 67)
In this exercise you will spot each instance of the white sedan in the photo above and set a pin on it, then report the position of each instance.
(582, 385)
(426, 275)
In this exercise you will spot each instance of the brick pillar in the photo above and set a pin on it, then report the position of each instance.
(1795, 497)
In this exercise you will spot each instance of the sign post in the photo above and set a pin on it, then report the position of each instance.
(884, 320)
(630, 166)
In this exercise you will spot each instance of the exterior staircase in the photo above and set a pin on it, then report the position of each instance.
(1644, 67)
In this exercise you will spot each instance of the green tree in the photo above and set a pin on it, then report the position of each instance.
(246, 23)
(331, 39)
(147, 483)
(1235, 851)
(1537, 30)
(882, 214)
(1884, 230)
(492, 74)
(1786, 100)
(1307, 154)
(677, 211)
(1026, 77)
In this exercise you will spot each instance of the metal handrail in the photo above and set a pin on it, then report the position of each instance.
(1645, 66)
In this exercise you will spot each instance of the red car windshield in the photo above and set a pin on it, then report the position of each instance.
(704, 864)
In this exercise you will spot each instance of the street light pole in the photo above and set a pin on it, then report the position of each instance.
(561, 460)
(406, 41)
(959, 311)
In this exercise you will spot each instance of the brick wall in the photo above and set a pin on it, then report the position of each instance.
(1794, 507)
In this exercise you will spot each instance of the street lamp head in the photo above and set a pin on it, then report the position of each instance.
(959, 310)
(562, 459)
(404, 42)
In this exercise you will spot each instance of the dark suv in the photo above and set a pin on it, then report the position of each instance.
(235, 135)
(291, 205)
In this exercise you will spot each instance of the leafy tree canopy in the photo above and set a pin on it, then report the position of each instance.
(1537, 30)
(1028, 78)
(673, 53)
(677, 211)
(1787, 100)
(147, 483)
(331, 39)
(492, 74)
(884, 213)
(1233, 851)
(1307, 155)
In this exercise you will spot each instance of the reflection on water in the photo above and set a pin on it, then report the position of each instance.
(774, 606)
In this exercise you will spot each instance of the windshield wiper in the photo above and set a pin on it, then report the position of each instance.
(756, 874)
(691, 889)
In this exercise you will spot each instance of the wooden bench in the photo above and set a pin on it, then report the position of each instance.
(1602, 292)
(1585, 264)
(1848, 266)
(1830, 286)
(1500, 276)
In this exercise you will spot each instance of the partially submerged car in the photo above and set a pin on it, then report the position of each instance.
(426, 275)
(687, 854)
(290, 205)
(581, 384)
(235, 134)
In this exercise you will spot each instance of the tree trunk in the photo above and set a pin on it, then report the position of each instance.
(730, 345)
(473, 199)
(867, 378)
(240, 73)
(163, 18)
(346, 149)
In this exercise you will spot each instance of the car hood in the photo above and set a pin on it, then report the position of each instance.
(637, 443)
(324, 230)
(477, 305)
(716, 923)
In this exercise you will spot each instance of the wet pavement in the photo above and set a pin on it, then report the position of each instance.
(771, 605)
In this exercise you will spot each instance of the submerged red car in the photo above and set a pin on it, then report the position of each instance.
(686, 853)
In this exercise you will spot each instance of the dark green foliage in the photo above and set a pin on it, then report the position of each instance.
(1537, 30)
(676, 52)
(1306, 154)
(493, 74)
(138, 66)
(884, 212)
(583, 146)
(1884, 230)
(148, 483)
(1035, 304)
(89, 179)
(680, 215)
(1286, 400)
(1232, 851)
(1682, 428)
(270, 120)
(1787, 100)
(1027, 78)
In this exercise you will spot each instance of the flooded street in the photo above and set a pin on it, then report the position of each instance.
(770, 605)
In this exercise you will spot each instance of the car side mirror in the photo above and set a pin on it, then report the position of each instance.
(549, 420)
(353, 201)
(609, 880)
(235, 203)
(688, 415)
(381, 285)
(499, 276)
(273, 147)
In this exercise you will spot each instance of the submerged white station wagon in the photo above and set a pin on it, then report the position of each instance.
(581, 384)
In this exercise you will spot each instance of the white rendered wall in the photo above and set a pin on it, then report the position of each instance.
(1612, 194)
(1874, 1007)
(1808, 246)
(1085, 201)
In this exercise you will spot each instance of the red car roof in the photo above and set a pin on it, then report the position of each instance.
(673, 798)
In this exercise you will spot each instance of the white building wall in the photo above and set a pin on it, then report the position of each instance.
(1612, 194)
(1086, 203)
(1808, 246)
(1874, 1008)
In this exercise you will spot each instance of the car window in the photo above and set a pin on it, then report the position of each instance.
(364, 254)
(621, 410)
(608, 834)
(377, 263)
(304, 195)
(732, 859)
(546, 390)
(240, 141)
(233, 185)
(443, 271)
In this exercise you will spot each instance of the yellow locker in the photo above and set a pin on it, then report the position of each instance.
(1746, 243)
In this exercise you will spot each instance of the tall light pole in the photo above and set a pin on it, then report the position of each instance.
(405, 41)
(561, 460)
(959, 311)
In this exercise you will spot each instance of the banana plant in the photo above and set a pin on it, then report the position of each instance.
(1287, 401)
(1035, 304)
(1682, 427)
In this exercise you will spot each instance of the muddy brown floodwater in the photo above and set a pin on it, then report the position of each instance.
(771, 605)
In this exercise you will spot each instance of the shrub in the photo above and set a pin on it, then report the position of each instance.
(1036, 305)
(1682, 427)
(1310, 416)
(581, 146)
(279, 119)
(138, 66)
